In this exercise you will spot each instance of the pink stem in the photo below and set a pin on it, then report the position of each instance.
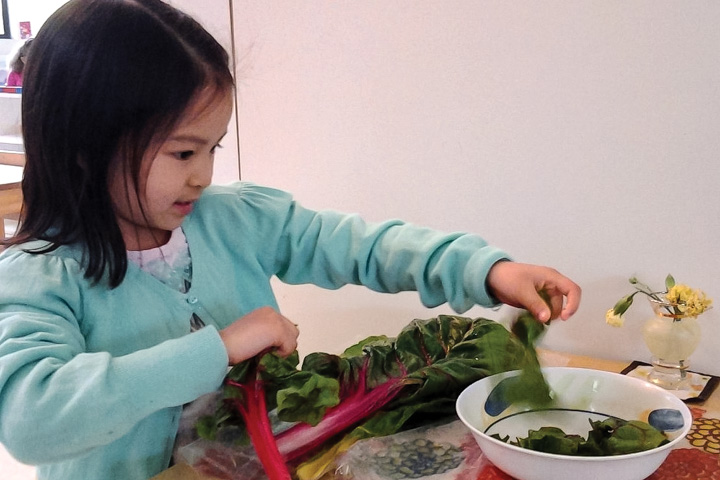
(303, 438)
(254, 413)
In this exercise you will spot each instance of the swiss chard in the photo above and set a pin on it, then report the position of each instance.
(530, 385)
(612, 436)
(375, 386)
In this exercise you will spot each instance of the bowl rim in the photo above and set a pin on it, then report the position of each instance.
(682, 406)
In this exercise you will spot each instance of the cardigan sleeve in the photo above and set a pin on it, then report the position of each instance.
(52, 388)
(331, 249)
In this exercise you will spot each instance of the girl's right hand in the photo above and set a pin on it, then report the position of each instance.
(257, 331)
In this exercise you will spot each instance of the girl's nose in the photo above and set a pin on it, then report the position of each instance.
(202, 174)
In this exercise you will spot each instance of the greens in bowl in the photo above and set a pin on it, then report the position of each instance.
(582, 402)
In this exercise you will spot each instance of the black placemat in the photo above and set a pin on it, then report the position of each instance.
(702, 384)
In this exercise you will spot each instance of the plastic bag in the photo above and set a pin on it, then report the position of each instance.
(440, 452)
(230, 456)
(434, 452)
(221, 461)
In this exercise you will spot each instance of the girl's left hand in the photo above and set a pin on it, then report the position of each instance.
(259, 330)
(518, 284)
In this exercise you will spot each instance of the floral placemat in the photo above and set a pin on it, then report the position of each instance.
(701, 385)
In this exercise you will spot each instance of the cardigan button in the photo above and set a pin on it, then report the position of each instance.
(192, 300)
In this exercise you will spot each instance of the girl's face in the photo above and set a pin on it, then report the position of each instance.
(172, 180)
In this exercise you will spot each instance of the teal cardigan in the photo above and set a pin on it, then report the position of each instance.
(92, 379)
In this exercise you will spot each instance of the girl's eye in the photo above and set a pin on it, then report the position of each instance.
(184, 155)
(187, 154)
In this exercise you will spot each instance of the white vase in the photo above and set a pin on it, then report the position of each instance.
(671, 340)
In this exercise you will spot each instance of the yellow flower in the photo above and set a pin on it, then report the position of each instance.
(612, 318)
(688, 302)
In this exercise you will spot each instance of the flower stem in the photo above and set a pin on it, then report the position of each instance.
(645, 290)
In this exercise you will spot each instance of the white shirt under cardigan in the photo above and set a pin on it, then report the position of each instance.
(171, 264)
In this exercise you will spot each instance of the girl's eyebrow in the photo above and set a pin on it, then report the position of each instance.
(193, 139)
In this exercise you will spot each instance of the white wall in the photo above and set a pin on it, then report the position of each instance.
(581, 135)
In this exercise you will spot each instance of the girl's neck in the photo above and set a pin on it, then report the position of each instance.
(156, 240)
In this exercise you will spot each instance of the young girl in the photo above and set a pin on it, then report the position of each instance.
(17, 65)
(133, 283)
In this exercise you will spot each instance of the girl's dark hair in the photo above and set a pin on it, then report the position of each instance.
(108, 80)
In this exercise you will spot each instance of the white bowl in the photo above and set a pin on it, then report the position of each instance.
(579, 394)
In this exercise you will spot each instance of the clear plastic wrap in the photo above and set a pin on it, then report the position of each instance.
(229, 457)
(222, 462)
(437, 452)
(445, 451)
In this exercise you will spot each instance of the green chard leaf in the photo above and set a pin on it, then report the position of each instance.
(440, 357)
(551, 440)
(530, 385)
(612, 436)
(633, 436)
(309, 396)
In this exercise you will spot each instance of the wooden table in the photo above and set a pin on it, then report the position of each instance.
(12, 158)
(10, 194)
(696, 458)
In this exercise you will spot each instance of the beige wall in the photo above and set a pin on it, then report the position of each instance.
(582, 135)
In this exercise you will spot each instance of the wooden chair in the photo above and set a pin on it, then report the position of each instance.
(10, 205)
(12, 158)
(10, 192)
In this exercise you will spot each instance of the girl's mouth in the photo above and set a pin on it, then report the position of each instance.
(184, 208)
